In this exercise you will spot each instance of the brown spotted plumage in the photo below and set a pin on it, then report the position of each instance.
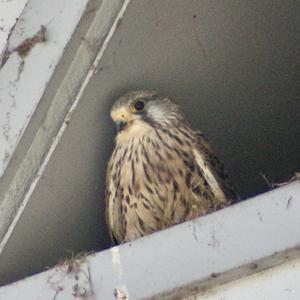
(161, 172)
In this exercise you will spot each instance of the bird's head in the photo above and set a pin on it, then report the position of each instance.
(138, 112)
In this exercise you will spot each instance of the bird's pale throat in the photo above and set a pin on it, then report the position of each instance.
(137, 128)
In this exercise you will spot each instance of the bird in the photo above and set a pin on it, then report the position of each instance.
(161, 172)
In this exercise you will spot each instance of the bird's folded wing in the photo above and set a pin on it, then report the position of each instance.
(213, 170)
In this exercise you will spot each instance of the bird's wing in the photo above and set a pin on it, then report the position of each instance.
(108, 209)
(110, 205)
(213, 170)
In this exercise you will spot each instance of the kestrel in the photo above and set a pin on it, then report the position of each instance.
(161, 172)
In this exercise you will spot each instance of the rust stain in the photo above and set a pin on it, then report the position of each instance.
(25, 46)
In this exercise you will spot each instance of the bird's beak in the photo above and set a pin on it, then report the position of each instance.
(120, 125)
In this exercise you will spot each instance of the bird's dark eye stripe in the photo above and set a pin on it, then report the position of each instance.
(139, 105)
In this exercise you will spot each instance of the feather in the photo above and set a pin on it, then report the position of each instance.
(162, 172)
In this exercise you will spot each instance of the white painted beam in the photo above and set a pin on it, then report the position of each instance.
(19, 72)
(222, 247)
(280, 282)
(19, 96)
(33, 50)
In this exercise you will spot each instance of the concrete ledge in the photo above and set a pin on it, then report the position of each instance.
(277, 283)
(194, 256)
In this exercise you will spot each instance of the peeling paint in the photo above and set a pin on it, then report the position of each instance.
(116, 261)
(120, 292)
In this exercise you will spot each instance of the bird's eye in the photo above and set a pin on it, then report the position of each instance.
(138, 106)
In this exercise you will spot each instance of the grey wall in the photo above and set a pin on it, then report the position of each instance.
(232, 65)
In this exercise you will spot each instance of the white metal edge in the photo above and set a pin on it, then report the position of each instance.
(245, 238)
(70, 91)
(277, 283)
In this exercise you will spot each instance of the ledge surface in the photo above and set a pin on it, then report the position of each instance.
(246, 238)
